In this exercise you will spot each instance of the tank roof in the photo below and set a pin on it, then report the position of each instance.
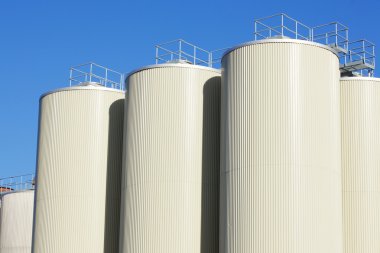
(270, 40)
(172, 65)
(83, 86)
(360, 78)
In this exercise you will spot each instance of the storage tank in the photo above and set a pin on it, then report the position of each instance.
(170, 190)
(79, 170)
(280, 148)
(361, 163)
(16, 221)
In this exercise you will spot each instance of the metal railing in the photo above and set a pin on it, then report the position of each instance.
(360, 58)
(180, 50)
(281, 25)
(333, 34)
(17, 183)
(356, 57)
(92, 72)
(361, 50)
(216, 56)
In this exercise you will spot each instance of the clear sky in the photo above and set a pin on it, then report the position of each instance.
(40, 40)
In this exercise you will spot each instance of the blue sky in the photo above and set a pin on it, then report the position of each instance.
(40, 40)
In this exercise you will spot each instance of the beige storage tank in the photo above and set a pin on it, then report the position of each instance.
(16, 222)
(280, 149)
(79, 170)
(360, 102)
(170, 191)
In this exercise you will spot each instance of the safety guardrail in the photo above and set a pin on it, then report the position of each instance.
(181, 50)
(281, 25)
(356, 57)
(360, 58)
(333, 34)
(17, 183)
(92, 72)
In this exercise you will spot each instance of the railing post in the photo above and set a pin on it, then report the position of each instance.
(156, 54)
(90, 72)
(105, 81)
(311, 34)
(296, 29)
(195, 55)
(71, 76)
(350, 55)
(282, 24)
(180, 49)
(373, 55)
(121, 81)
(336, 34)
(364, 55)
(255, 30)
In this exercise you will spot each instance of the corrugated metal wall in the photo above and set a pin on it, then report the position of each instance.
(280, 158)
(171, 161)
(16, 222)
(360, 102)
(79, 171)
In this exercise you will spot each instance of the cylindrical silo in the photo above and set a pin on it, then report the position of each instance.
(280, 149)
(16, 222)
(79, 170)
(360, 103)
(170, 190)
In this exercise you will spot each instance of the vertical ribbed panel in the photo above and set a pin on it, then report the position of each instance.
(360, 102)
(280, 150)
(16, 222)
(79, 171)
(170, 186)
